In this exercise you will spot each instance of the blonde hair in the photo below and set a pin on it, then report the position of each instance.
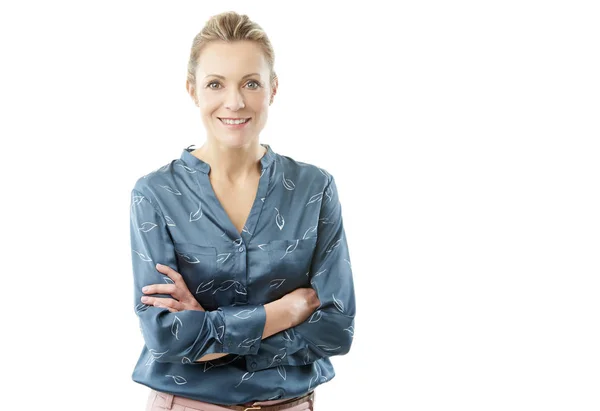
(230, 26)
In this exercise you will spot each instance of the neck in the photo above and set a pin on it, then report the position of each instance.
(231, 165)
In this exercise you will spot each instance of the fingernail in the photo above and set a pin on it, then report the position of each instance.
(144, 299)
(145, 289)
(158, 265)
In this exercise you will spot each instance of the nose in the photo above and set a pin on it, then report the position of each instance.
(234, 100)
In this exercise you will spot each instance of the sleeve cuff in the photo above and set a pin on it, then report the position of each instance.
(244, 326)
(275, 351)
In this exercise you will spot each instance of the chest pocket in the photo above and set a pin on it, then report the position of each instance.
(289, 263)
(198, 267)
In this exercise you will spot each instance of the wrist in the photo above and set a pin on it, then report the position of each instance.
(279, 318)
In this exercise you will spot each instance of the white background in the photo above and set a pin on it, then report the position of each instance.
(463, 138)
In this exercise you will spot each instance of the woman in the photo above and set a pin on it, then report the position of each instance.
(242, 278)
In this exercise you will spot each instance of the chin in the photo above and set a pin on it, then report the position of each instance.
(235, 141)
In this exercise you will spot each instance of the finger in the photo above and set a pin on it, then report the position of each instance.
(172, 274)
(155, 301)
(169, 303)
(160, 289)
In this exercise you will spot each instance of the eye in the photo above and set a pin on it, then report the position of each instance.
(211, 83)
(254, 82)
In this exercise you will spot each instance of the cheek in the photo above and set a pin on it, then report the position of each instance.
(261, 105)
(207, 108)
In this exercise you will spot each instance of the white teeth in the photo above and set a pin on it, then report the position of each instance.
(227, 121)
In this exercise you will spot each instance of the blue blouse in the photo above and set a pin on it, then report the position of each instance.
(293, 237)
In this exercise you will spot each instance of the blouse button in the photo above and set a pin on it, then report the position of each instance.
(253, 365)
(241, 249)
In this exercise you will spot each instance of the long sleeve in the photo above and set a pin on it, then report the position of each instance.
(330, 330)
(188, 334)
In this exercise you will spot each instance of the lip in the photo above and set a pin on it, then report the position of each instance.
(235, 126)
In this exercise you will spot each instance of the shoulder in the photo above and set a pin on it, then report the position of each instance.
(158, 180)
(312, 174)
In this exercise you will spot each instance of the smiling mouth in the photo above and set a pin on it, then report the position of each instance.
(237, 121)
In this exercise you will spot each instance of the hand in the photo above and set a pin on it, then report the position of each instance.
(182, 297)
(301, 303)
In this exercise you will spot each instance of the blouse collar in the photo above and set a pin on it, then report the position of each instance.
(192, 161)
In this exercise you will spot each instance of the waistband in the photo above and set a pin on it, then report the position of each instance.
(289, 404)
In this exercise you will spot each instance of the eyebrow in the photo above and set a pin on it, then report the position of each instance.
(222, 77)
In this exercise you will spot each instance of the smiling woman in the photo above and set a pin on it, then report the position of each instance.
(242, 276)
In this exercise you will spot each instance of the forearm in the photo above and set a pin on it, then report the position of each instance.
(278, 319)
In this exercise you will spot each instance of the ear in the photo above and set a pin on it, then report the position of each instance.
(274, 87)
(191, 91)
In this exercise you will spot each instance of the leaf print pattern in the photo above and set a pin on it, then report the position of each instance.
(205, 286)
(141, 307)
(245, 377)
(225, 285)
(315, 317)
(315, 198)
(338, 304)
(221, 258)
(240, 289)
(135, 200)
(335, 245)
(350, 330)
(186, 360)
(208, 365)
(175, 327)
(196, 215)
(290, 249)
(320, 272)
(279, 220)
(220, 333)
(154, 355)
(328, 193)
(244, 314)
(278, 358)
(143, 256)
(147, 226)
(168, 280)
(170, 221)
(276, 283)
(286, 336)
(325, 173)
(172, 190)
(247, 343)
(186, 168)
(281, 371)
(316, 377)
(287, 183)
(311, 230)
(188, 258)
(327, 348)
(262, 246)
(179, 380)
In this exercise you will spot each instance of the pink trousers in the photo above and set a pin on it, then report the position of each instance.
(160, 401)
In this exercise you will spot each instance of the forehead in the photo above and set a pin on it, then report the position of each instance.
(231, 59)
